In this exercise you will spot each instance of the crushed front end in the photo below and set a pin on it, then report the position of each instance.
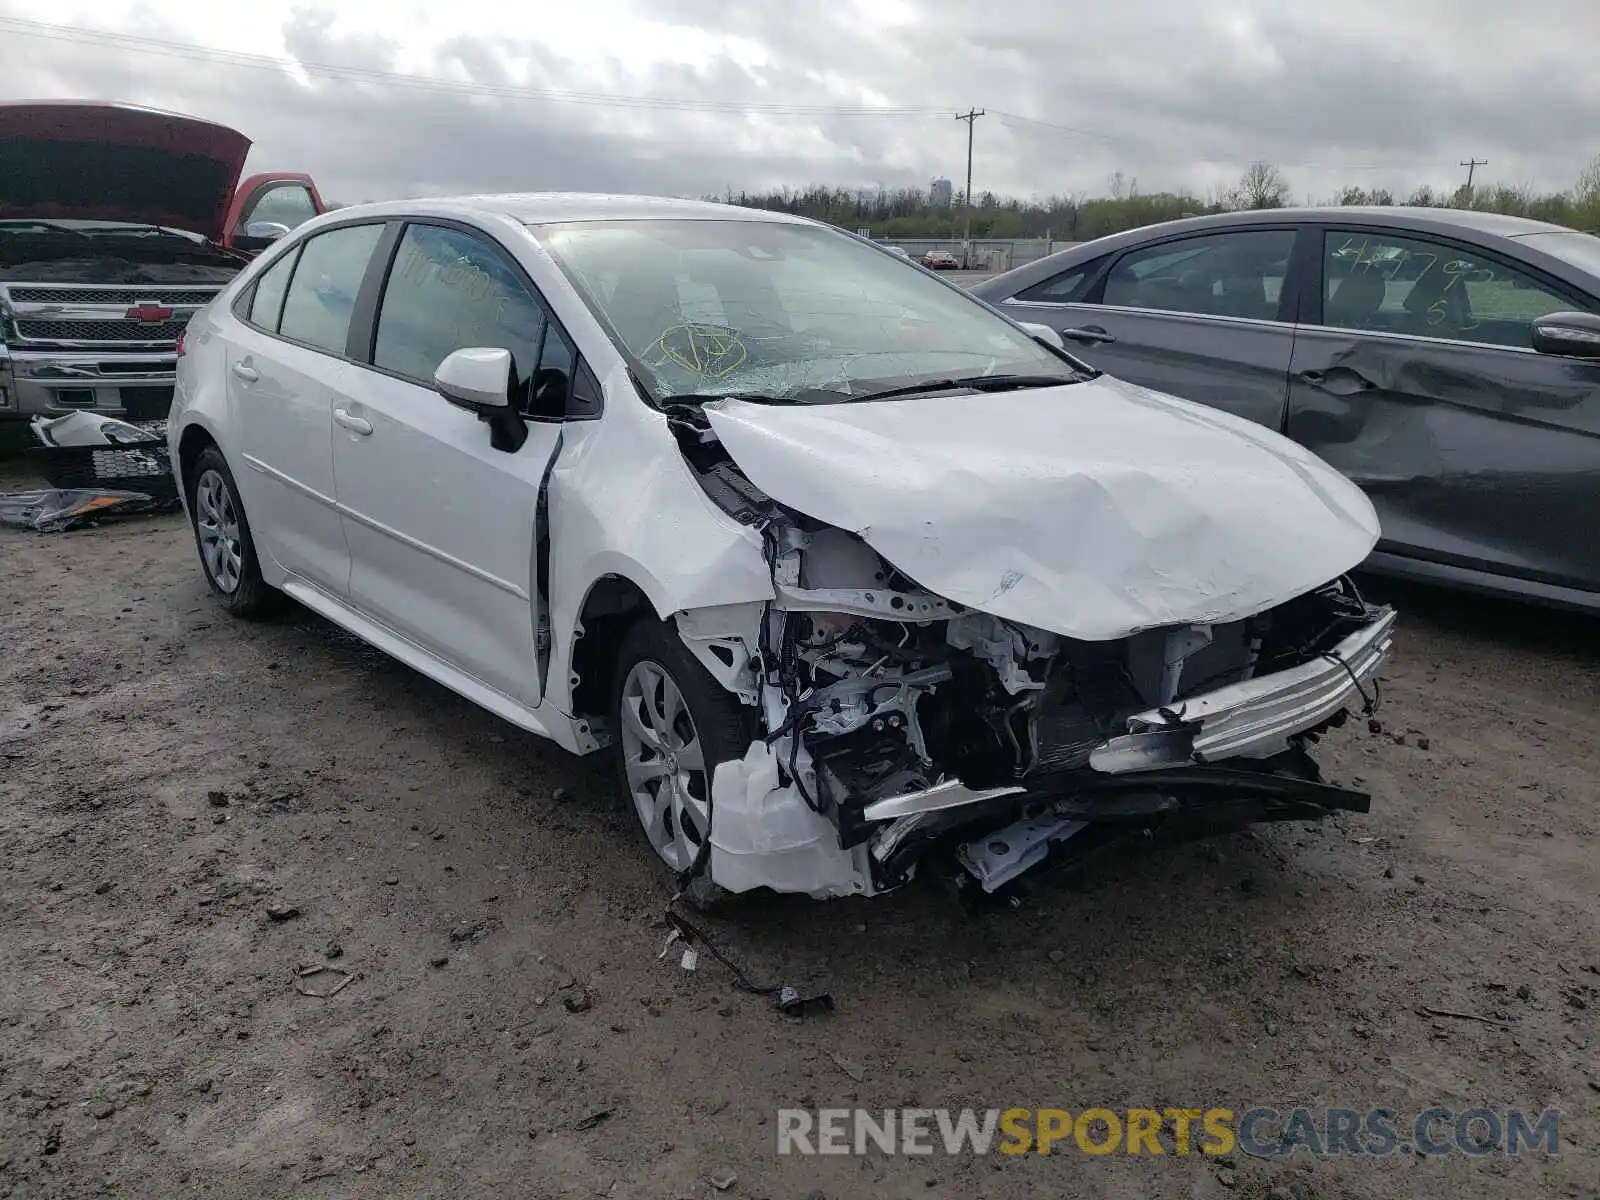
(899, 727)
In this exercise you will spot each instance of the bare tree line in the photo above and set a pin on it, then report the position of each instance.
(912, 213)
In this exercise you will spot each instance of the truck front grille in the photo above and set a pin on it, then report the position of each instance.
(118, 330)
(125, 295)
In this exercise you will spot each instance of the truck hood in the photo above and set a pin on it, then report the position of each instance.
(1093, 510)
(79, 160)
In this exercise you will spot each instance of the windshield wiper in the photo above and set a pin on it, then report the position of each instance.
(684, 399)
(978, 383)
(25, 223)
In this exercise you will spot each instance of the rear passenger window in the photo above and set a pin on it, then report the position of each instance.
(1221, 275)
(322, 293)
(266, 305)
(448, 290)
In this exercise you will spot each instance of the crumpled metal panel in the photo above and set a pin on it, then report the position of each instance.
(1482, 457)
(1093, 510)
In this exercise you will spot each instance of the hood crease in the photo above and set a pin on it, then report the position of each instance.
(1093, 510)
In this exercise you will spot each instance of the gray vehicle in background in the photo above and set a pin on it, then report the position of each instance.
(1446, 361)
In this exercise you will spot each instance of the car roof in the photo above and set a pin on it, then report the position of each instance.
(1482, 227)
(1436, 220)
(1387, 214)
(540, 208)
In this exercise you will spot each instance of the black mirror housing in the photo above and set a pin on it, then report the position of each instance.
(1568, 334)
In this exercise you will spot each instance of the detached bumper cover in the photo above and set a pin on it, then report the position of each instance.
(1196, 799)
(1255, 718)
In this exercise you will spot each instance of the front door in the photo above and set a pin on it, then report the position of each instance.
(1197, 317)
(1417, 380)
(442, 526)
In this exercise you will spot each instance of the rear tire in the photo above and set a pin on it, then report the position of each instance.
(222, 536)
(674, 724)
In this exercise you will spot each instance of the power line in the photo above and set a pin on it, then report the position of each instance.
(1472, 164)
(261, 62)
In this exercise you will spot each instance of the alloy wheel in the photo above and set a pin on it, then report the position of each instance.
(665, 764)
(217, 524)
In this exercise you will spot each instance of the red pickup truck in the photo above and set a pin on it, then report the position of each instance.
(116, 224)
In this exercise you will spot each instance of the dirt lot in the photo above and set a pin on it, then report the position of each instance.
(167, 774)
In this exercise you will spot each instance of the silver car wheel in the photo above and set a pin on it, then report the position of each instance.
(217, 524)
(665, 764)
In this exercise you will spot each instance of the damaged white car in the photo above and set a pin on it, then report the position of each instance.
(854, 576)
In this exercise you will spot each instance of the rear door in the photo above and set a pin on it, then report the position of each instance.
(287, 366)
(1414, 375)
(442, 527)
(1207, 317)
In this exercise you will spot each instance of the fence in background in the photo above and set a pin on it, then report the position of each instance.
(987, 254)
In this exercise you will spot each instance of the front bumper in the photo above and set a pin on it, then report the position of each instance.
(1164, 771)
(134, 385)
(1005, 832)
(1254, 719)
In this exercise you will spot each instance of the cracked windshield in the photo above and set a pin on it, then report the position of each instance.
(778, 312)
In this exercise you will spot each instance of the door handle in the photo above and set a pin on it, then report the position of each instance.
(1088, 334)
(245, 371)
(1337, 381)
(353, 424)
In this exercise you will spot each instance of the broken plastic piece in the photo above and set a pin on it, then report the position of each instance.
(764, 835)
(90, 429)
(52, 510)
(792, 1004)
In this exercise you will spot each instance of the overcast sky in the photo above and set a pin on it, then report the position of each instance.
(710, 94)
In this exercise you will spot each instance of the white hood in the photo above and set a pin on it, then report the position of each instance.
(1092, 510)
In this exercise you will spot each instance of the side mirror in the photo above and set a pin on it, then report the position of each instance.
(1044, 333)
(478, 379)
(1570, 334)
(269, 231)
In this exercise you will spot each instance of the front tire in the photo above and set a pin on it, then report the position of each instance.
(222, 536)
(675, 723)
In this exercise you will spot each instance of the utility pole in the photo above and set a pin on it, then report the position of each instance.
(1472, 164)
(971, 118)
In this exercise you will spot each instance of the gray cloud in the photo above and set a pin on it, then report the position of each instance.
(1171, 92)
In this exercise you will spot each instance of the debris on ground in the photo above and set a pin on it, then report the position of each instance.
(579, 1001)
(849, 1068)
(305, 973)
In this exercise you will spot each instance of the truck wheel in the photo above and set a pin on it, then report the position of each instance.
(675, 723)
(222, 535)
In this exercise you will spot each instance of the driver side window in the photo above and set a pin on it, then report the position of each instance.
(448, 290)
(287, 204)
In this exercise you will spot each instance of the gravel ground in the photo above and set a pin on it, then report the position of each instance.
(171, 781)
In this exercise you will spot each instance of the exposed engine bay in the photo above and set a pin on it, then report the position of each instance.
(912, 725)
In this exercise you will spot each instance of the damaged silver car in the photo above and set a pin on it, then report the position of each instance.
(855, 577)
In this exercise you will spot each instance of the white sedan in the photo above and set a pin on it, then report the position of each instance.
(854, 576)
